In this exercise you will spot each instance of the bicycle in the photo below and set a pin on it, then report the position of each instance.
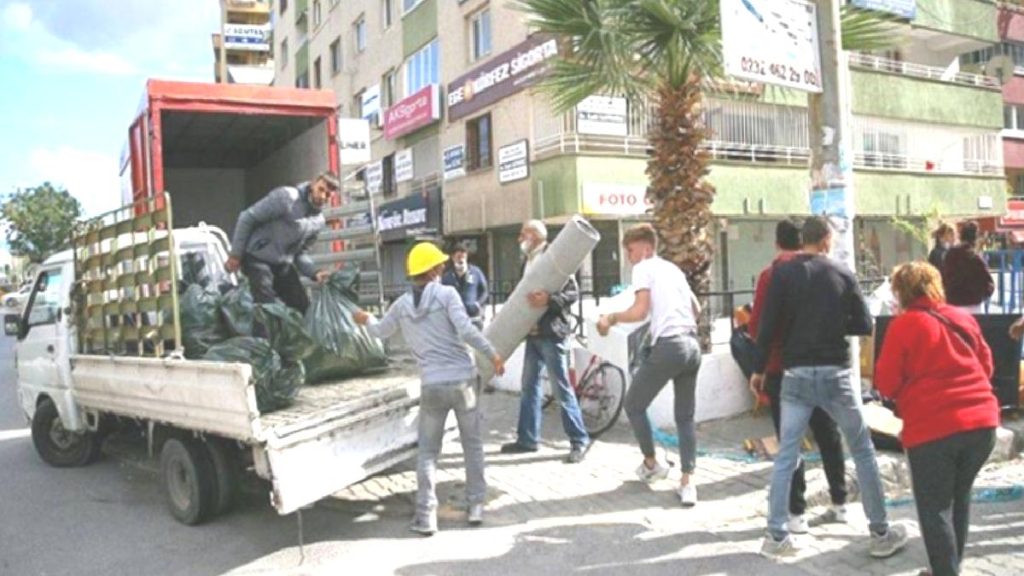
(600, 391)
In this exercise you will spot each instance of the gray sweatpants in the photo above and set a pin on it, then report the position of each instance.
(436, 400)
(675, 358)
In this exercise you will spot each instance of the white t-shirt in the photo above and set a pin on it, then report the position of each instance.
(671, 309)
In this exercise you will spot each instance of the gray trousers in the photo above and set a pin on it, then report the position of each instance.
(436, 400)
(675, 358)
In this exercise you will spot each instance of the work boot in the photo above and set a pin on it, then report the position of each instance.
(517, 448)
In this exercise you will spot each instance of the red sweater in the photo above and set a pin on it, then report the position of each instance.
(774, 365)
(941, 386)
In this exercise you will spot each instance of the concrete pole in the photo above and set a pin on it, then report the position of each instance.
(831, 140)
(222, 56)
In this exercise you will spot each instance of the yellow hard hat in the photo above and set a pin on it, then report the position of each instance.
(423, 258)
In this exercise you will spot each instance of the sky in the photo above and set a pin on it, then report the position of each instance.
(72, 74)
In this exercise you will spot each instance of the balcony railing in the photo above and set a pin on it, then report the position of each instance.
(869, 62)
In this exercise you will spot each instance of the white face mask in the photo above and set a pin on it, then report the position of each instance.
(461, 267)
(525, 247)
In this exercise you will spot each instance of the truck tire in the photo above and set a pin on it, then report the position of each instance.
(189, 480)
(226, 469)
(57, 446)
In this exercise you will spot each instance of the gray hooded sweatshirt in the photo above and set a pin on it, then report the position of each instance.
(435, 331)
(280, 228)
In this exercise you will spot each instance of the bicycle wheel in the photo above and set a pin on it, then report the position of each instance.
(601, 396)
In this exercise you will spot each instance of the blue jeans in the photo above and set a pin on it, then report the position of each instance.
(553, 355)
(829, 388)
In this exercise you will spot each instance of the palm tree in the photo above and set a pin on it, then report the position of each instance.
(668, 52)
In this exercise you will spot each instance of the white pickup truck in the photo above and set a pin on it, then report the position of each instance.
(201, 416)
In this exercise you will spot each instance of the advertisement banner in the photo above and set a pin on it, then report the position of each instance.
(414, 215)
(403, 165)
(615, 199)
(454, 159)
(408, 115)
(902, 8)
(501, 76)
(353, 141)
(374, 177)
(251, 37)
(602, 115)
(513, 162)
(773, 42)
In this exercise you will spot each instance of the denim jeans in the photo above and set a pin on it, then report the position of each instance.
(829, 388)
(436, 400)
(553, 355)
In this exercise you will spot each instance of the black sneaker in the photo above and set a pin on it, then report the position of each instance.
(517, 448)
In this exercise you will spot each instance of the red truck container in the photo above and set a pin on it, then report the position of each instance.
(218, 148)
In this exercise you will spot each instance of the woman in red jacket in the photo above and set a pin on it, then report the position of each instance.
(937, 367)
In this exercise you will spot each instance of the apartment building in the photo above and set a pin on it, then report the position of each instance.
(464, 149)
(245, 55)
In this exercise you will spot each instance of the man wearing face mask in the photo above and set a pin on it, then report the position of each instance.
(273, 237)
(547, 346)
(471, 284)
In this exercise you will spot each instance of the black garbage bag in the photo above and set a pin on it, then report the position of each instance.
(286, 331)
(201, 325)
(276, 386)
(236, 309)
(343, 348)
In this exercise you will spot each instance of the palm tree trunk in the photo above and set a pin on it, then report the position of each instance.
(681, 195)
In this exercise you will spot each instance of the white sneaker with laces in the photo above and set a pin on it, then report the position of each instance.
(773, 548)
(688, 495)
(797, 524)
(649, 475)
(885, 545)
(836, 514)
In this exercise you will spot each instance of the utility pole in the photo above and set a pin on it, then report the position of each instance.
(222, 60)
(831, 140)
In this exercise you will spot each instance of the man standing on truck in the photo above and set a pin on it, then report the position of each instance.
(434, 324)
(273, 236)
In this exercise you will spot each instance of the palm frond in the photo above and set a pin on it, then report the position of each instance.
(865, 30)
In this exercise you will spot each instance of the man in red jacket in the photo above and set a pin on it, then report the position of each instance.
(826, 433)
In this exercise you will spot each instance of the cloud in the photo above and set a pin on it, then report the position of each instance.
(90, 176)
(17, 16)
(79, 60)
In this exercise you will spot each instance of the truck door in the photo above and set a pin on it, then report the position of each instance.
(140, 164)
(43, 344)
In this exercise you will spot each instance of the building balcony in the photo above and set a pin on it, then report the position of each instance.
(957, 21)
(913, 70)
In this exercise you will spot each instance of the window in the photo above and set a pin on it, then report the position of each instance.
(421, 69)
(360, 33)
(387, 90)
(284, 53)
(1013, 117)
(480, 34)
(284, 6)
(386, 11)
(45, 301)
(478, 143)
(302, 81)
(317, 79)
(408, 5)
(1018, 184)
(884, 150)
(388, 176)
(357, 105)
(980, 57)
(336, 56)
(318, 14)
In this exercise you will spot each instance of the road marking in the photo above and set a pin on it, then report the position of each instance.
(15, 434)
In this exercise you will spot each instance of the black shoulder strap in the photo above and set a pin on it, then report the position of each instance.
(958, 330)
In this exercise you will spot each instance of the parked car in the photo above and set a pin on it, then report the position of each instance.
(14, 302)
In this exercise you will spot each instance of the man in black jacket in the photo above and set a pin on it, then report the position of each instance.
(547, 346)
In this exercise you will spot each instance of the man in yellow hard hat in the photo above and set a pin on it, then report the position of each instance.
(435, 326)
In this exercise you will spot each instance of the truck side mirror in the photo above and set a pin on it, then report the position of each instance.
(12, 325)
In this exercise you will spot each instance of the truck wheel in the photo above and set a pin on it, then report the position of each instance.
(189, 480)
(58, 446)
(226, 469)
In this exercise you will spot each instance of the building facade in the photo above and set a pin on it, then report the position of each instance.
(242, 52)
(446, 85)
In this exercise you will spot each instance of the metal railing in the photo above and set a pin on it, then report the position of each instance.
(913, 70)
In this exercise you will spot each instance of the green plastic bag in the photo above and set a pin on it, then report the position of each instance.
(236, 310)
(343, 348)
(276, 386)
(286, 331)
(201, 325)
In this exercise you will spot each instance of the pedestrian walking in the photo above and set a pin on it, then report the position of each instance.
(434, 325)
(273, 237)
(819, 304)
(471, 284)
(547, 346)
(664, 296)
(945, 237)
(826, 433)
(937, 367)
(965, 275)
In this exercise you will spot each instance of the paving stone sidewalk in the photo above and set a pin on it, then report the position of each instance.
(548, 517)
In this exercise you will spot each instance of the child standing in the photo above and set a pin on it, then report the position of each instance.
(435, 326)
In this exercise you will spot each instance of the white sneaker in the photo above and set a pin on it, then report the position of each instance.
(773, 548)
(894, 539)
(836, 514)
(649, 475)
(688, 495)
(797, 524)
